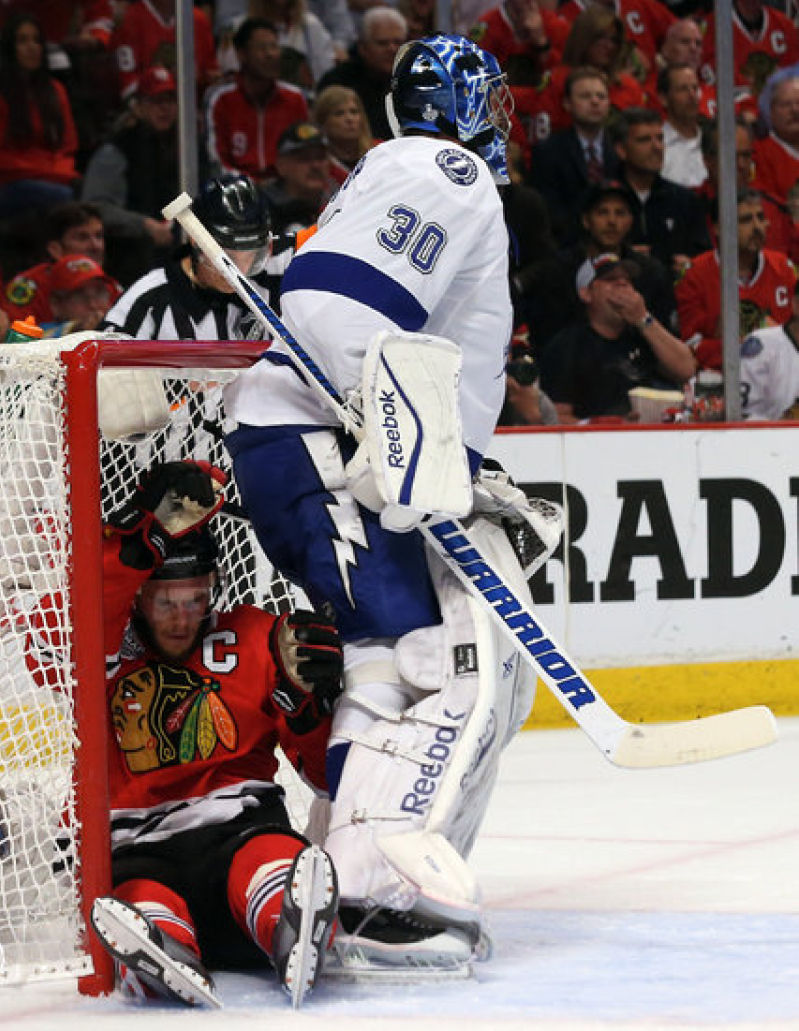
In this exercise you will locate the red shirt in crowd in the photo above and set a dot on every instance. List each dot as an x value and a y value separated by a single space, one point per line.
756 56
243 137
767 296
143 39
645 21
37 160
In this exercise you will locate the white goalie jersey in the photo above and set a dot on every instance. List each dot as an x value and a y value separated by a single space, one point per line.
423 253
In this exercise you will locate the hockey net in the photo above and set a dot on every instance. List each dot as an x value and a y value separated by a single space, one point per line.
60 476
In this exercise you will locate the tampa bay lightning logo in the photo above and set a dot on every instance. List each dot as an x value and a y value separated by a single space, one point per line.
457 166
751 347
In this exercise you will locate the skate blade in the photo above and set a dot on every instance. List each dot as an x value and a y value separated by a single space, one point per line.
125 934
350 962
314 892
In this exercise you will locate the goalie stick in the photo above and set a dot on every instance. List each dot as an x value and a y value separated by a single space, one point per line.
622 743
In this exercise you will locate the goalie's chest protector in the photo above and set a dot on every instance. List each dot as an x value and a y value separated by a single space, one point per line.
414 239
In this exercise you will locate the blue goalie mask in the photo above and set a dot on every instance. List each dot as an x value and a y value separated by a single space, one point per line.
449 86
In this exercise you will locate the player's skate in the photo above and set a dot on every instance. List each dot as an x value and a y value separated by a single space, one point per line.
391 945
162 965
310 903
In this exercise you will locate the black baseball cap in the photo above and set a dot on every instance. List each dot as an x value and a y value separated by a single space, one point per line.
301 136
606 188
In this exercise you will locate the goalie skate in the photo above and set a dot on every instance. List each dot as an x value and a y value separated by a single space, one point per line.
394 946
162 964
310 902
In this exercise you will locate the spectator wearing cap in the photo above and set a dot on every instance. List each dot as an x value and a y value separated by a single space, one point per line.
382 32
71 228
80 295
132 176
667 217
549 289
304 183
563 166
591 365
766 284
244 118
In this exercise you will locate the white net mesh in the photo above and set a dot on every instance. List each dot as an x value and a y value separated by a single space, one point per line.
40 857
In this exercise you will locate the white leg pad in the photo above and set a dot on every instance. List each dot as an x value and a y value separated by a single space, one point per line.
417 780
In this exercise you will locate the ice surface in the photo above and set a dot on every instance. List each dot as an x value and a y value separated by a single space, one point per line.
616 899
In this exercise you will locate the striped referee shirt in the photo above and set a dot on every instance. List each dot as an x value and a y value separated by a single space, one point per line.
166 305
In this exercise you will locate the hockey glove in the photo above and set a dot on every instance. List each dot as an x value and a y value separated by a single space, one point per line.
172 499
307 653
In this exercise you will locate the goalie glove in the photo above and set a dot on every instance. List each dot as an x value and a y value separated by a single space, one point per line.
172 499
307 653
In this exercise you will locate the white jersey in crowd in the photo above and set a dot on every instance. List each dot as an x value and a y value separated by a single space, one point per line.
414 239
769 374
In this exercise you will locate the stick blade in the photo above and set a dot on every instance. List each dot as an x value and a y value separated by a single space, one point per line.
713 737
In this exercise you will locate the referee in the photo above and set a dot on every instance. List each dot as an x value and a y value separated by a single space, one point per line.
187 298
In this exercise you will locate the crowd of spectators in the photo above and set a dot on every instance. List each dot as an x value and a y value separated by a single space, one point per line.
613 157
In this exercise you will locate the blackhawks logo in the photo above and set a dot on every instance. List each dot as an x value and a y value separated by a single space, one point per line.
165 716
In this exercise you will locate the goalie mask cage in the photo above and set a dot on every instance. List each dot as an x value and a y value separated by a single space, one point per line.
59 478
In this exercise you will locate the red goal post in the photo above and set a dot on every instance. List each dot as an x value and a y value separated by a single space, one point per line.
61 476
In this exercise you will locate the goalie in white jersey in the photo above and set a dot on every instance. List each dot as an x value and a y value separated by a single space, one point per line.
402 300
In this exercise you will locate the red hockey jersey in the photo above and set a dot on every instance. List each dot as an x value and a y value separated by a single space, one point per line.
756 56
765 299
242 137
143 39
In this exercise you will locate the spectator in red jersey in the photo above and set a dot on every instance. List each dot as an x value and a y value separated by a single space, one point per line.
646 22
72 228
767 281
524 36
764 39
244 118
683 45
597 40
679 92
776 156
781 233
146 36
37 132
72 23
340 115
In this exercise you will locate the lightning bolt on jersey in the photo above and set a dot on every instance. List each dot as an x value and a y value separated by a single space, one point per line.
414 239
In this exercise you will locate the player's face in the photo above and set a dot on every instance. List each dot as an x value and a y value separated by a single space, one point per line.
174 611
643 148
87 238
752 226
588 102
608 223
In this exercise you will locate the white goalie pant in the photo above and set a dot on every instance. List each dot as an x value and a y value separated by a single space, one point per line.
427 718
